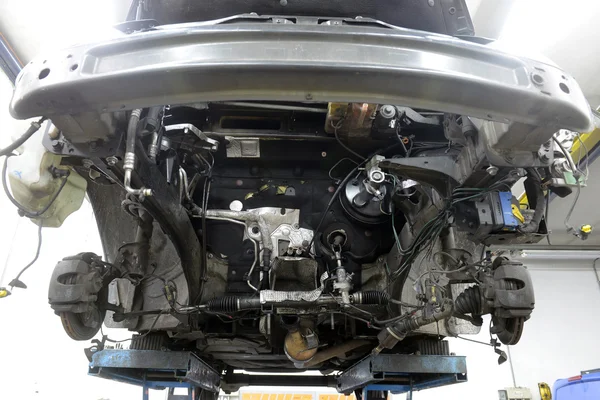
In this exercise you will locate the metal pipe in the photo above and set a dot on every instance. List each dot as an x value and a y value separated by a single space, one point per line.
129 159
256 250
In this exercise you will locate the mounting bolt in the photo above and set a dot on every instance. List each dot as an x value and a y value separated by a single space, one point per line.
209 255
87 163
111 161
57 144
492 170
544 157
296 226
387 111
323 154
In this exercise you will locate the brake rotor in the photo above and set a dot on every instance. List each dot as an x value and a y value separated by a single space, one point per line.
512 329
81 326
509 330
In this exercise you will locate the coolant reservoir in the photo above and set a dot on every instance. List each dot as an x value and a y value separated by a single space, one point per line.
33 186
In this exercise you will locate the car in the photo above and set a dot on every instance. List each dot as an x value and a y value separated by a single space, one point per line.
298 190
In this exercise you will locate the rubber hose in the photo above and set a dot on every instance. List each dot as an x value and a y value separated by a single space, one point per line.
469 301
540 204
152 118
35 126
134 119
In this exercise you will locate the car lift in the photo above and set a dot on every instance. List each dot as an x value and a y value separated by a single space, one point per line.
155 369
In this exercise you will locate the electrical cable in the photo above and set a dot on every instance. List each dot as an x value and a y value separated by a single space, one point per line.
35 126
16 282
567 155
205 194
338 163
586 155
333 198
404 304
568 217
348 149
22 210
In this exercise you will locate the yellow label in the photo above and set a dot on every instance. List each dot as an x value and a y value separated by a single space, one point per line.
517 213
336 397
277 396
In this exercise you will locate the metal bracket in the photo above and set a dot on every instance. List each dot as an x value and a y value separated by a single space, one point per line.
213 144
141 367
404 372
440 172
247 147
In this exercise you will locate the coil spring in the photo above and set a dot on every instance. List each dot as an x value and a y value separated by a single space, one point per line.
225 304
374 297
469 301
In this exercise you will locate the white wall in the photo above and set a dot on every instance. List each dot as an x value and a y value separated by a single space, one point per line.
561 338
37 359
559 341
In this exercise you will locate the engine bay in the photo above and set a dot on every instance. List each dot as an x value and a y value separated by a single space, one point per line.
308 241
300 217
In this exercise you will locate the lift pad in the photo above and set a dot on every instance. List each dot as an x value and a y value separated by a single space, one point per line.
163 368
402 373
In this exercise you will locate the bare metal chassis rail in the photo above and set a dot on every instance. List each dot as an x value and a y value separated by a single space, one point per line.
293 62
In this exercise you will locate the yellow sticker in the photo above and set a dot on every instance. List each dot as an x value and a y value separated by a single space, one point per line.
517 213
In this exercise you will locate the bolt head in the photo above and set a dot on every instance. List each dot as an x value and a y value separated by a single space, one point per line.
111 161
87 163
377 176
57 144
387 111
324 154
492 170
